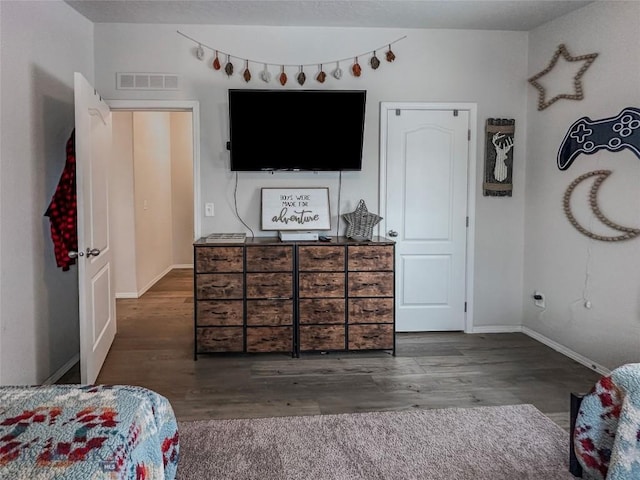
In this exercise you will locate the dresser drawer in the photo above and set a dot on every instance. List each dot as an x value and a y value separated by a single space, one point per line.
269 339
269 285
370 257
321 310
320 258
269 312
314 285
370 284
219 313
219 339
211 286
371 337
325 337
371 310
218 259
270 259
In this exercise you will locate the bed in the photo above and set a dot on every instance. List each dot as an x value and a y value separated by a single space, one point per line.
605 426
87 432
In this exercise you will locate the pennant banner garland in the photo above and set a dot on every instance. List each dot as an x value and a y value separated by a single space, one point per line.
300 76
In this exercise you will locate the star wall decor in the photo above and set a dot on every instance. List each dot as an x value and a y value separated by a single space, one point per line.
577 83
360 222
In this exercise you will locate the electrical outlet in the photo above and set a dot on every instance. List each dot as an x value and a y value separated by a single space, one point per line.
208 210
538 299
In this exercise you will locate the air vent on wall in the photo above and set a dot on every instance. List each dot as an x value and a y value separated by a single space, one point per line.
147 81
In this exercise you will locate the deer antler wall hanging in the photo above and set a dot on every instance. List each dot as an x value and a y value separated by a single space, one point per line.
498 162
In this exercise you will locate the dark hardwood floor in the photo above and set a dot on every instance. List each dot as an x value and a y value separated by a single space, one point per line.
154 349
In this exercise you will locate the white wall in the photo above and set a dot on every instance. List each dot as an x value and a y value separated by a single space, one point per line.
431 66
121 189
182 187
152 196
41 45
567 266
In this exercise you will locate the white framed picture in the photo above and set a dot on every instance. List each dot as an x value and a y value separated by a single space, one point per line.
296 209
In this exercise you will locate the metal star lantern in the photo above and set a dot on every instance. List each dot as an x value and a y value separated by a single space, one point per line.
360 222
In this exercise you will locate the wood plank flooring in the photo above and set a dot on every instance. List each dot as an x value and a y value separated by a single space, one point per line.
154 349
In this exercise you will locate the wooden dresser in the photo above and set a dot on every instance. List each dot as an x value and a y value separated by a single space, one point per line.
265 295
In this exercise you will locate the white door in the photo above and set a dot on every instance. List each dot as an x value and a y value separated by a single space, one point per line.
95 277
425 211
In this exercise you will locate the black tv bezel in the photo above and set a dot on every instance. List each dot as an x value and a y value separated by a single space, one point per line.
229 144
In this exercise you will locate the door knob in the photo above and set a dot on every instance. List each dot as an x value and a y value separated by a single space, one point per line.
74 254
93 252
392 233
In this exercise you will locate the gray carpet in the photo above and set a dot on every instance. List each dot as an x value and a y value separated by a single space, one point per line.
485 443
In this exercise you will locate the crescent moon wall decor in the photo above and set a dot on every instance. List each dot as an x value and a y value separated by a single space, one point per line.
602 175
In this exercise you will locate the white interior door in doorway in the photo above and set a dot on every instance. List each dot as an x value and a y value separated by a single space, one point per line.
95 276
425 155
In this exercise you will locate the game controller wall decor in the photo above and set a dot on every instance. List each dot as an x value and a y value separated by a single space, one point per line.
589 136
577 82
498 161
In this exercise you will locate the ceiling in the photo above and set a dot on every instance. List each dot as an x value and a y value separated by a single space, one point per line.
521 15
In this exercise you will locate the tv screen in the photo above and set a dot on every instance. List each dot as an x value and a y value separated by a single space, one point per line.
296 129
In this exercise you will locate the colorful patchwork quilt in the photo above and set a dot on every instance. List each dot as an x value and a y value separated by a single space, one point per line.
86 432
607 432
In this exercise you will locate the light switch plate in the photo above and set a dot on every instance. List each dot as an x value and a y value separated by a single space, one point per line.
208 210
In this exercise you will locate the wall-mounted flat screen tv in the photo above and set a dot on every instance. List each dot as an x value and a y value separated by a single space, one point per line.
296 129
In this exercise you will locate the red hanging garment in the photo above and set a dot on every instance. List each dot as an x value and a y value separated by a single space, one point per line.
63 211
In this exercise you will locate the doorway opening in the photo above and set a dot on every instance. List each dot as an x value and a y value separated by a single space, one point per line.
152 191
183 126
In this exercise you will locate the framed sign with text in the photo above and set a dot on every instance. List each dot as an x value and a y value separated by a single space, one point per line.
296 209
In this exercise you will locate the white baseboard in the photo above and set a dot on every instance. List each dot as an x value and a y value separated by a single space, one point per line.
544 340
127 295
155 280
497 329
152 282
566 351
58 374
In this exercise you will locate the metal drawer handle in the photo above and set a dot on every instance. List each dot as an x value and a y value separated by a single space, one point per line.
226 285
364 310
269 285
321 311
219 313
368 257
